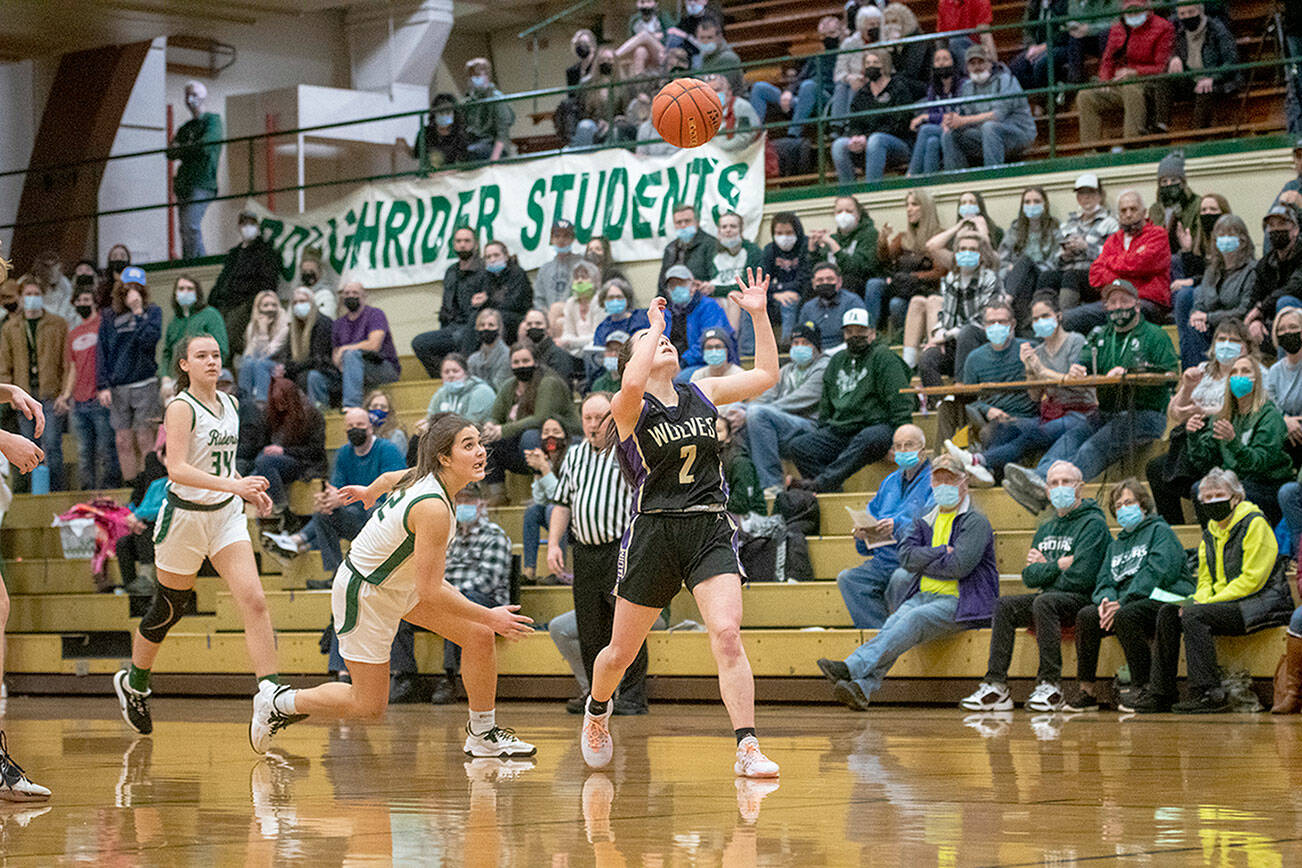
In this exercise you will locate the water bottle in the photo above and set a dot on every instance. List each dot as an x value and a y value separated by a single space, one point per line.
41 480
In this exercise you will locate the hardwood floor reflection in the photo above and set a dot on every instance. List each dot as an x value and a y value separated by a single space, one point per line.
893 787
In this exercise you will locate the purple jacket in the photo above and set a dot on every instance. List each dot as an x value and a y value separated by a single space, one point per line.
972 561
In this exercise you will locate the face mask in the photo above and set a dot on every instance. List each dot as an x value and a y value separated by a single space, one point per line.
1290 342
680 294
831 43
551 444
1122 318
479 81
1217 510
1191 24
117 265
732 245
1240 386
581 288
707 47
1132 229
11 306
967 258
444 119
455 386
487 336
1044 327
467 513
784 242
685 234
647 11
980 77
536 334
1129 516
495 267
997 333
872 73
1170 194
1033 210
858 345
33 303
846 220
825 290
1062 496
968 210
802 354
302 309
186 298
84 311
605 68
1279 239
1208 222
353 304
715 357
1227 243
524 374
308 278
906 460
1136 20
582 50
946 495
611 363
942 74
616 306
723 100
378 417
248 231
695 8
1228 351
358 437
463 255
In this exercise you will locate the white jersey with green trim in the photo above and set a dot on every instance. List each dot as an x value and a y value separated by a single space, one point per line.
382 551
213 440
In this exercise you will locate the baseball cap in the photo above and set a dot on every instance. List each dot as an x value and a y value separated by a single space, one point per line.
226 376
617 337
947 462
715 333
247 214
1120 285
1284 211
807 331
976 51
1089 180
563 225
855 316
678 272
134 274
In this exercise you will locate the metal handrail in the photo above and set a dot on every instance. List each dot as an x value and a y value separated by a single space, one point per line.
546 22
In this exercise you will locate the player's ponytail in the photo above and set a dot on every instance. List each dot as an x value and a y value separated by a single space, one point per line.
437 440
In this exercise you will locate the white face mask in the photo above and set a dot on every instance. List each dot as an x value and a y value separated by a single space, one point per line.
845 220
784 242
980 77
1136 20
248 231
302 309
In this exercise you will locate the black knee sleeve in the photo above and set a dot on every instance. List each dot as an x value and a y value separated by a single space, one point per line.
165 609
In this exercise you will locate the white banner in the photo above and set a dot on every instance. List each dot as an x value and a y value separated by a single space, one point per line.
399 233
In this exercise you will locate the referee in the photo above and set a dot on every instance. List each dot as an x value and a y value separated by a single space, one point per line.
591 490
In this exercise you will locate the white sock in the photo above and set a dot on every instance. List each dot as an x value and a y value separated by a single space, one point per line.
482 721
910 355
284 702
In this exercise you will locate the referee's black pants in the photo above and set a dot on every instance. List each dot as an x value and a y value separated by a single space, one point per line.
594 608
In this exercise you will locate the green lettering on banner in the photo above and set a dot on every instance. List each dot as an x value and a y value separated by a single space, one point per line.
291 242
440 210
490 202
336 256
702 168
727 186
416 228
366 233
669 201
583 228
641 228
611 228
394 225
533 207
462 218
561 184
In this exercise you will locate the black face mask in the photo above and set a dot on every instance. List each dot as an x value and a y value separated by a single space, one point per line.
648 12
873 35
872 73
1191 24
1122 317
83 282
353 304
463 255
581 51
524 374
942 74
84 311
116 266
1218 510
1279 239
1290 342
1208 221
536 334
357 437
831 43
825 290
308 278
857 345
487 336
605 68
1170 194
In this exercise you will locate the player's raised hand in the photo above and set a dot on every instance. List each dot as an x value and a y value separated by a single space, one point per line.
507 621
655 312
357 494
753 293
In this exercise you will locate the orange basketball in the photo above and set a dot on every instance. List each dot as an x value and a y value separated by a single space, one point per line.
686 113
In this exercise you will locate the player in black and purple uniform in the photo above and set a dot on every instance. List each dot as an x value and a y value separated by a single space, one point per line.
680 531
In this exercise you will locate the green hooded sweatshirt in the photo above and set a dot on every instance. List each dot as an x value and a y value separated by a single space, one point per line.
1141 560
1255 452
859 391
1082 534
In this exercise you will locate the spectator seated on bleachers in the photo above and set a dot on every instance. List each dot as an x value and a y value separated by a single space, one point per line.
135 550
904 257
714 54
622 314
608 379
847 75
581 313
535 329
363 346
1061 569
604 105
904 495
647 28
491 360
1284 378
786 261
465 291
911 60
740 124
97 460
378 404
1227 290
828 303
551 285
965 15
442 141
946 76
950 555
266 340
1087 36
814 83
507 287
250 267
860 409
462 392
1079 242
1027 251
1179 211
191 315
1144 566
1279 271
1129 417
692 247
307 361
951 321
1202 44
745 496
881 137
690 313
488 124
1291 192
993 129
1042 43
1288 674
1240 589
732 256
544 461
853 247
1138 45
294 447
1137 253
718 358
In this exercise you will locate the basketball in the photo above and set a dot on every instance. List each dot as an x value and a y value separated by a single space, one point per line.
686 113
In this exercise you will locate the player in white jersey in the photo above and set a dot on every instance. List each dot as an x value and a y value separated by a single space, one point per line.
394 572
203 517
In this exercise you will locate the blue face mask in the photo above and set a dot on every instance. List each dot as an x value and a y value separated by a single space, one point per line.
907 460
1228 351
186 298
479 81
802 354
1129 516
685 234
616 306
680 294
946 495
562 249
1240 385
969 210
997 333
467 513
611 363
444 119
1062 496
378 417
967 258
33 303
1033 210
455 386
495 267
715 357
1227 243
1044 327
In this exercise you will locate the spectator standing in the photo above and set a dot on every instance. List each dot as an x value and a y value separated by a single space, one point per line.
491 360
462 393
465 289
97 460
56 289
996 126
311 274
1138 254
125 373
882 137
442 141
191 315
266 339
692 247
828 304
295 447
250 267
363 346
1138 45
33 356
197 145
1202 43
309 349
551 286
488 118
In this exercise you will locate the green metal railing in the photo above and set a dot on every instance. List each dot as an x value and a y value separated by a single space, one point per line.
820 120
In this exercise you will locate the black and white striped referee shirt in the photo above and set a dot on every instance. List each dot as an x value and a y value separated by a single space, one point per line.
591 485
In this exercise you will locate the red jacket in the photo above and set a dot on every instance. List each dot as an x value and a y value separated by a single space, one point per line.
1147 264
962 14
1146 49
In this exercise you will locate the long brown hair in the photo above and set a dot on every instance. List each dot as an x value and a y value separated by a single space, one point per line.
437 440
119 297
289 416
530 393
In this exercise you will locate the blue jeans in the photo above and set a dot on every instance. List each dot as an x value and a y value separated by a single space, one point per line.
1193 343
1290 503
190 217
926 151
863 588
537 518
992 141
1012 440
920 618
763 94
324 532
255 377
97 454
1295 623
318 388
279 471
842 94
51 441
361 374
873 290
883 149
1120 434
831 457
766 429
585 134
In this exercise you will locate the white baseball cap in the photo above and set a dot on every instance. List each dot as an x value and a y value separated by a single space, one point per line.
855 316
1089 179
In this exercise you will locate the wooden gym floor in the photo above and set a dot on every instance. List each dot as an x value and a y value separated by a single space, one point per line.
895 786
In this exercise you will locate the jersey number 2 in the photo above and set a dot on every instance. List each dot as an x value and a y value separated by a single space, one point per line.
688 454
